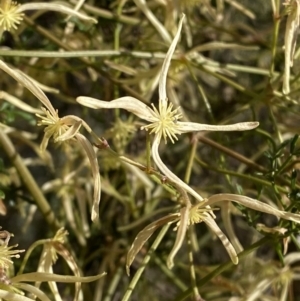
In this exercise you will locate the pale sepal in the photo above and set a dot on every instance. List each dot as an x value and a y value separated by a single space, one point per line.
70 132
127 103
168 173
181 232
210 222
144 235
55 7
96 175
162 93
253 204
186 127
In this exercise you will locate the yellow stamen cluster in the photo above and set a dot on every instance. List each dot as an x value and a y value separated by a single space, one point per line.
6 253
197 215
9 15
58 239
165 121
54 126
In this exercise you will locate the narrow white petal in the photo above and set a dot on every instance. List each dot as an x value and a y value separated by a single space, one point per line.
291 258
127 103
167 172
226 217
209 221
166 64
186 127
55 7
253 204
12 296
181 232
95 171
19 103
33 290
26 82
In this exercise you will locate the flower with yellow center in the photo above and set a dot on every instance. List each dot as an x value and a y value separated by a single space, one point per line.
61 129
6 253
198 213
11 13
10 17
164 121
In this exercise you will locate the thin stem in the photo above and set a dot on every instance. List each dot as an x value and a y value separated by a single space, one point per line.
106 14
146 260
202 93
29 181
196 293
230 152
148 151
114 283
244 176
65 46
276 16
189 167
169 273
221 268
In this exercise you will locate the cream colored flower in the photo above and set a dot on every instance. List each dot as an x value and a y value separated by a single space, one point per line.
202 212
164 121
10 17
11 13
61 129
6 253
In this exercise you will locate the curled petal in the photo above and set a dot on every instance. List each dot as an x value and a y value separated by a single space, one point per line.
127 103
291 258
209 221
71 119
167 172
186 127
70 132
225 212
253 204
55 7
166 64
95 171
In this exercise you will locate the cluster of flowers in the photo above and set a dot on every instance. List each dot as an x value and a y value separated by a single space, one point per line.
164 123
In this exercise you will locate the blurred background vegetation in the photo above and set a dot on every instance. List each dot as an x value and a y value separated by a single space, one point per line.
228 67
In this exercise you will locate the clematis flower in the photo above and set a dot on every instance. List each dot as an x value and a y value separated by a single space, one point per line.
61 129
202 212
11 13
13 288
6 253
164 121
